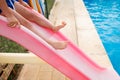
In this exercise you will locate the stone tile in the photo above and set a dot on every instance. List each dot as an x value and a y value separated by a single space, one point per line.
56 75
44 75
89 41
46 67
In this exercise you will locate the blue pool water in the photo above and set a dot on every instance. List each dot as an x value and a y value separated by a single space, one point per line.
106 17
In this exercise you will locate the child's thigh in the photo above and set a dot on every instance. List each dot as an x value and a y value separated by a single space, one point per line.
24 11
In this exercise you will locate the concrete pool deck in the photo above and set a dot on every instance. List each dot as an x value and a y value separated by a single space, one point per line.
80 30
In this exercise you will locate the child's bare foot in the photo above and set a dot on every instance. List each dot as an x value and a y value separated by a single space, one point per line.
24 4
57 28
59 44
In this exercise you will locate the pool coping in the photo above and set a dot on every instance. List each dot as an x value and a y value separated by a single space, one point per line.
86 30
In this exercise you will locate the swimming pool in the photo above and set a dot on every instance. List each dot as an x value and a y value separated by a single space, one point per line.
105 15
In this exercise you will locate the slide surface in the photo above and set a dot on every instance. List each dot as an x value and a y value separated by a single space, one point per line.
71 61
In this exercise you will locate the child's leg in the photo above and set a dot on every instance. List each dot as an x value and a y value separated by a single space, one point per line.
40 20
25 22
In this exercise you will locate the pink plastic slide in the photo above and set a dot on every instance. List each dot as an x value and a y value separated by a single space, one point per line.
71 61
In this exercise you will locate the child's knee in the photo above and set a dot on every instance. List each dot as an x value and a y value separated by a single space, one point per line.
16 4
